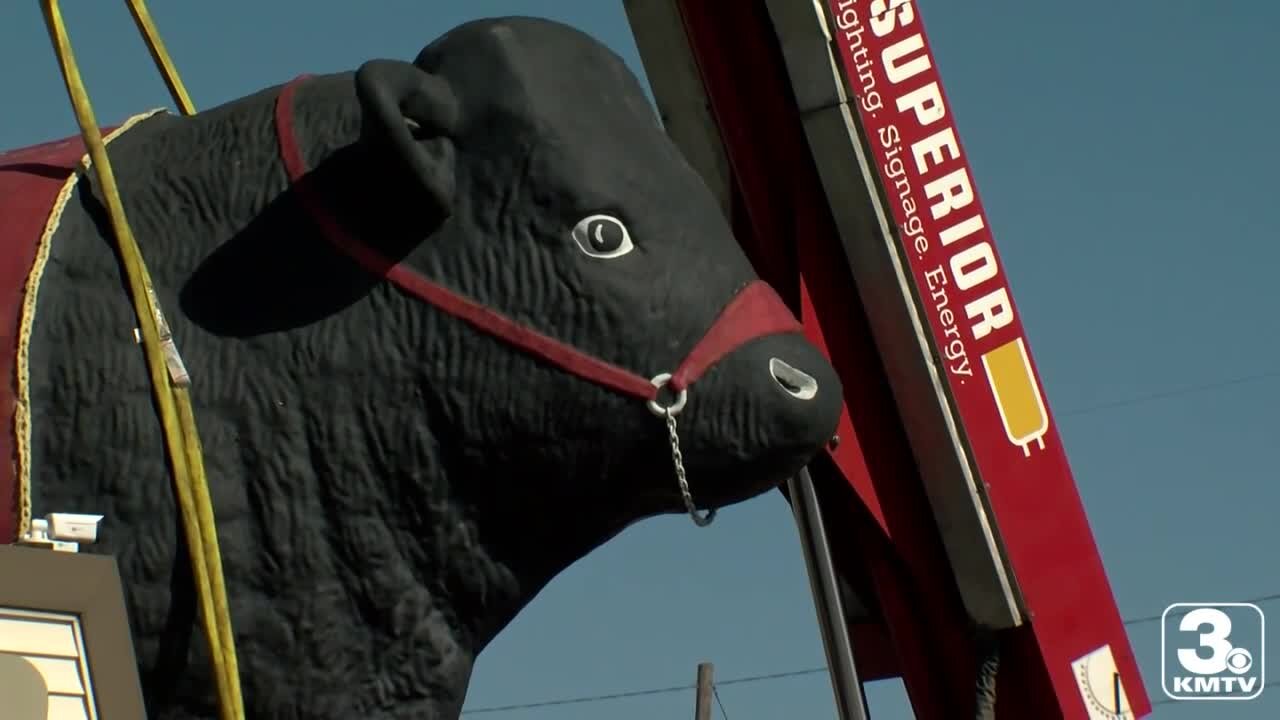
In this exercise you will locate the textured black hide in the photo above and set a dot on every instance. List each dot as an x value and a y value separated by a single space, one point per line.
391 487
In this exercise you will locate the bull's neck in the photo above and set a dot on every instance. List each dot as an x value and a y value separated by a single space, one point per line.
233 152
225 163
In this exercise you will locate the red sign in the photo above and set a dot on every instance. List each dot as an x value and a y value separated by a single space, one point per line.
979 345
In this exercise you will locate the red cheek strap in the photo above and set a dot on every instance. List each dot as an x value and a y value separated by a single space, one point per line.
756 311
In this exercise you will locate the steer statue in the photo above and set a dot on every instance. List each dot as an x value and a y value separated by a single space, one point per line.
445 322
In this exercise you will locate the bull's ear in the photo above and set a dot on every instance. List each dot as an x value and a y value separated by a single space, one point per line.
415 112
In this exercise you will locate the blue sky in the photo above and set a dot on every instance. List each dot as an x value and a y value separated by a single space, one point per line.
1122 154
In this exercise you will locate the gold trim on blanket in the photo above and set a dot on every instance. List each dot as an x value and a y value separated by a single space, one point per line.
22 406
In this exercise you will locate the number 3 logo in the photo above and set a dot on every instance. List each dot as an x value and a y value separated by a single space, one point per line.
1214 640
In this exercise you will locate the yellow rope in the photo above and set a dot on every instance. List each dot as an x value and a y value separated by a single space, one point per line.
169 381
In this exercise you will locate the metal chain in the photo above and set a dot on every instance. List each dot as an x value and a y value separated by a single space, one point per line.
678 459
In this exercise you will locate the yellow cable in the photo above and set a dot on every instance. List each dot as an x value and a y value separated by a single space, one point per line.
215 581
172 399
203 505
142 18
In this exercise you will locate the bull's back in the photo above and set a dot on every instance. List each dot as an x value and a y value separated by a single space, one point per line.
91 441
94 443
36 184
73 403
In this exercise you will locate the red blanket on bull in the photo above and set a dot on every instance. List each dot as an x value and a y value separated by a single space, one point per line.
35 184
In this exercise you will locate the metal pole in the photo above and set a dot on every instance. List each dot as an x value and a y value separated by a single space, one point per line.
826 598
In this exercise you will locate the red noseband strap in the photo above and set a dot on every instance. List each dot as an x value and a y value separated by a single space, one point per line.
756 311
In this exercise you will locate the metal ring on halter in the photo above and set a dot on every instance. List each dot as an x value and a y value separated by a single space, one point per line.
660 381
704 519
677 458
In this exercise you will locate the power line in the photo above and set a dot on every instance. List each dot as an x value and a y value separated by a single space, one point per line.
580 700
748 679
1153 618
716 691
772 676
1172 393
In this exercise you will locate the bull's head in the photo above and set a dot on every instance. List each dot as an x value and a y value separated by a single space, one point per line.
562 204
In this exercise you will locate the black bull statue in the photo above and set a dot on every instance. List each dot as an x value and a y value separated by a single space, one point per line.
394 478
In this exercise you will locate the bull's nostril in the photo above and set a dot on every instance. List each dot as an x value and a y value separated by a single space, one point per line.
797 384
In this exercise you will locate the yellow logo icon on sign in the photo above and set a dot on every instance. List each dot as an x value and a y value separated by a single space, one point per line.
1017 394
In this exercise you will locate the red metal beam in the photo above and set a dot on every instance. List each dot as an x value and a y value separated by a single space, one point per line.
889 535
783 221
1073 639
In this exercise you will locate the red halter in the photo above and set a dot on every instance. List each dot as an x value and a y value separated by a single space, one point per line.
756 311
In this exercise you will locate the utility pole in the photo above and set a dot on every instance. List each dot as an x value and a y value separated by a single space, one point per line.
702 710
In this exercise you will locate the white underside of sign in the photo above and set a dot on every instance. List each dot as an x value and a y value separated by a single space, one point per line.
1100 686
53 644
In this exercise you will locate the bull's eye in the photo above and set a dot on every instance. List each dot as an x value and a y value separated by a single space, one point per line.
602 236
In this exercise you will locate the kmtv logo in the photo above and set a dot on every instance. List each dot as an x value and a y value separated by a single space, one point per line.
1215 651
